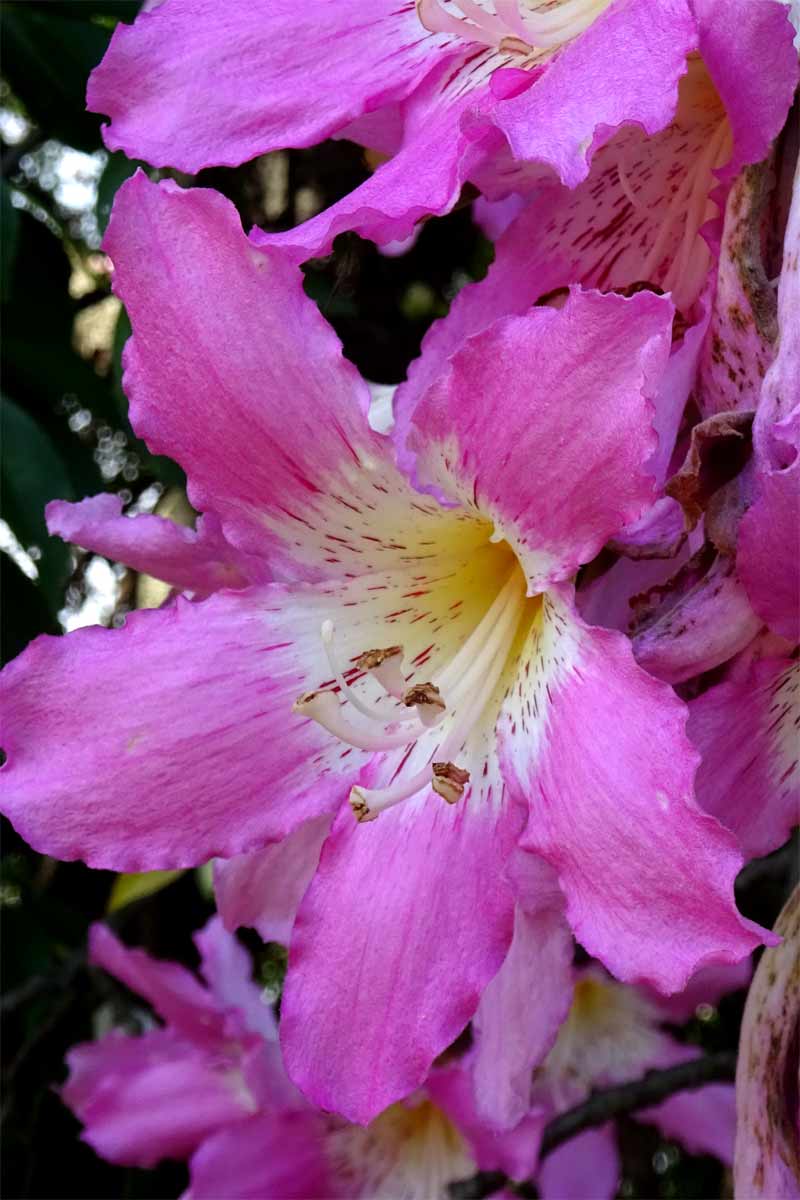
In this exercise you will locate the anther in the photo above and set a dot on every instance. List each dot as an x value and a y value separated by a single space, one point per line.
360 807
384 665
428 701
449 781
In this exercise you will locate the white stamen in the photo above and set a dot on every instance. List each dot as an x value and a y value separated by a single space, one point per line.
383 716
515 25
477 684
325 709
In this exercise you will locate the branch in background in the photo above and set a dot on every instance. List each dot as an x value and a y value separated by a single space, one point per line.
612 1102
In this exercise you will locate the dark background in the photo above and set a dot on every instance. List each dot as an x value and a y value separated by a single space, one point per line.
66 434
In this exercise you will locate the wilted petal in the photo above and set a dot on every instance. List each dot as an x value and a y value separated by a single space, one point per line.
767 1156
746 730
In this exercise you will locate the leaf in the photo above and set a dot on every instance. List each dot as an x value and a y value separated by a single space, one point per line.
32 474
137 886
47 59
9 224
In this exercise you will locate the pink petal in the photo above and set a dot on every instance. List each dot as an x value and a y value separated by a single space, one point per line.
514 1151
601 756
200 731
703 1120
757 102
522 1008
707 986
587 1167
624 68
198 560
270 89
264 414
746 731
132 1094
226 967
423 178
280 1156
394 941
175 993
484 434
263 889
766 1160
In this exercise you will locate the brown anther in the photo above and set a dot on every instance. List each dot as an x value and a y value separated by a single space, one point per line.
423 693
371 659
302 702
449 781
361 809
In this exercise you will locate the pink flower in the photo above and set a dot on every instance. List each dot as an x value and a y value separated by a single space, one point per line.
451 91
421 658
614 1034
209 1086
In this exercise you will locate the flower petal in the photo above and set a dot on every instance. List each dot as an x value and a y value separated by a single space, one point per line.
198 560
131 1094
704 1120
226 967
513 1151
601 756
200 732
280 1156
284 75
523 1006
175 993
587 1167
263 889
746 731
264 414
767 558
485 434
393 944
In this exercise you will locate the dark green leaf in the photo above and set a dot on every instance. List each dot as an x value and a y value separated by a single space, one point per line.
32 474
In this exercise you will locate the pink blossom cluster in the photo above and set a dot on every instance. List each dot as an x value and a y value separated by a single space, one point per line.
515 670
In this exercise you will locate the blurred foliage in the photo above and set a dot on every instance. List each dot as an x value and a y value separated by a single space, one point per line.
65 435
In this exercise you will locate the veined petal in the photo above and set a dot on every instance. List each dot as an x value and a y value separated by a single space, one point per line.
200 732
746 730
200 560
633 54
263 889
598 749
523 1006
284 75
131 1094
404 898
264 414
485 433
